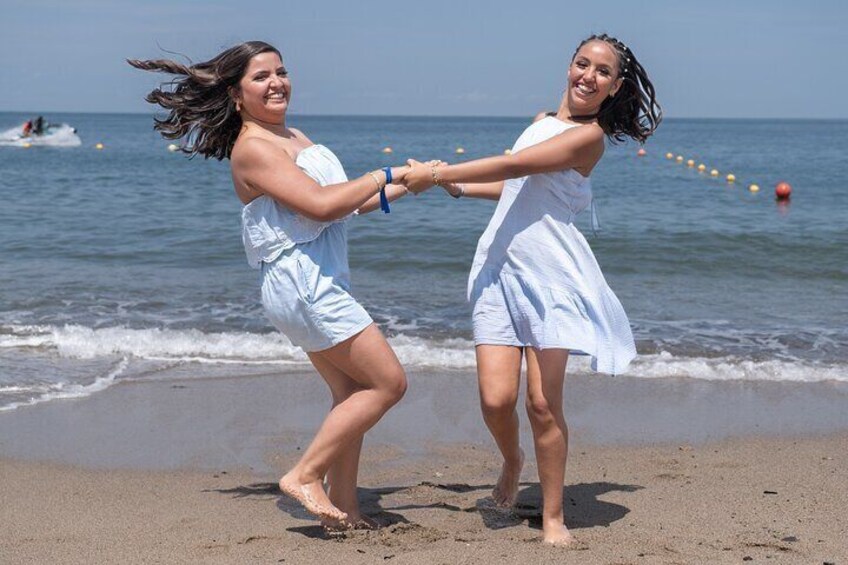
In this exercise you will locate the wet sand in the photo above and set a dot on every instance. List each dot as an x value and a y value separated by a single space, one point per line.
660 471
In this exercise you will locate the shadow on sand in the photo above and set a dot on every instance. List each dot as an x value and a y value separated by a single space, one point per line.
582 507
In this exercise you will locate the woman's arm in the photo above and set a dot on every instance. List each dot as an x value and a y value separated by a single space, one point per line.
577 147
262 167
393 192
483 190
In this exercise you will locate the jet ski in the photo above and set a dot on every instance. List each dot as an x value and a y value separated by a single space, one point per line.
51 135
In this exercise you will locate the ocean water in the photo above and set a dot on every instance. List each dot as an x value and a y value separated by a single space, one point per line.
126 262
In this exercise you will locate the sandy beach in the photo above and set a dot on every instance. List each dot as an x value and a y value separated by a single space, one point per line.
660 471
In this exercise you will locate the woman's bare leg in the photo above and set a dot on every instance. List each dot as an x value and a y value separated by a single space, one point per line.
498 377
545 380
368 361
342 475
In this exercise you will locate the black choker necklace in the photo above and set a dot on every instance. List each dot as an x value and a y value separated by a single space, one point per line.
584 118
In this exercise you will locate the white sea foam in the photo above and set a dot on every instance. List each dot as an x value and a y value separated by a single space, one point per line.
735 368
70 390
421 352
24 389
80 342
194 346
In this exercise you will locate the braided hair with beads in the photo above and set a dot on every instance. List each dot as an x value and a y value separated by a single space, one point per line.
634 111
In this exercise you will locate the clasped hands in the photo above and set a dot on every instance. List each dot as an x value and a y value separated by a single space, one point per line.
419 176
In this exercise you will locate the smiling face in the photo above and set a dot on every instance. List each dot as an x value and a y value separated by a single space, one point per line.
592 77
264 90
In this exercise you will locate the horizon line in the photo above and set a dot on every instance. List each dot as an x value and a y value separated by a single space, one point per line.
490 116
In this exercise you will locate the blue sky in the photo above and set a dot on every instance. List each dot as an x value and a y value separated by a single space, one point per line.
740 58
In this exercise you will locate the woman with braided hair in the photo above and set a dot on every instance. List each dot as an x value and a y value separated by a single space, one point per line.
536 289
297 200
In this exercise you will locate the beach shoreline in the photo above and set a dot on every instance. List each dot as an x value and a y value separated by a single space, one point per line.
185 470
251 421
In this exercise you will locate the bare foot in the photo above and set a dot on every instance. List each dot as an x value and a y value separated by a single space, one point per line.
558 535
312 497
505 492
358 522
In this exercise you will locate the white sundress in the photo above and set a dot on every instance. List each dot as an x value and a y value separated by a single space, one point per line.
534 280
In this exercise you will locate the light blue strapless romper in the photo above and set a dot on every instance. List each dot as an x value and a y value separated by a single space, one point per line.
305 275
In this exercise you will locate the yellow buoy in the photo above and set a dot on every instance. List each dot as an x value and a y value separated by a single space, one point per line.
731 178
669 155
714 173
460 150
679 159
387 150
690 163
27 145
702 167
173 147
754 188
507 151
98 146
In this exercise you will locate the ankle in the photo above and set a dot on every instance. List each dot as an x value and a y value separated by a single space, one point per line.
553 523
300 477
346 505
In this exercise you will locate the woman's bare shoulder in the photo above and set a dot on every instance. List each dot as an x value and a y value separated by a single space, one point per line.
541 116
250 149
299 135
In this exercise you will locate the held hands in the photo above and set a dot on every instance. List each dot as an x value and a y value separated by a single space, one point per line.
456 190
420 175
399 173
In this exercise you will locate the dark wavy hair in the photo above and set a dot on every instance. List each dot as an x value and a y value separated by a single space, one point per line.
633 111
200 108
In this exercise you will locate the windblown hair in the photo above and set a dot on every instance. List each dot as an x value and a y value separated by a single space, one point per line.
633 111
200 108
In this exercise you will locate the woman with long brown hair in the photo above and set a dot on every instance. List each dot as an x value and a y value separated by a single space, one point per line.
296 202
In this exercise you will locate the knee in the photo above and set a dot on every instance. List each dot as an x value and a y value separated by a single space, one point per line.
497 407
539 410
394 385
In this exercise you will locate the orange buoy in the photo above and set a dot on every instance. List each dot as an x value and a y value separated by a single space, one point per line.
669 155
783 190
690 163
641 152
701 168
